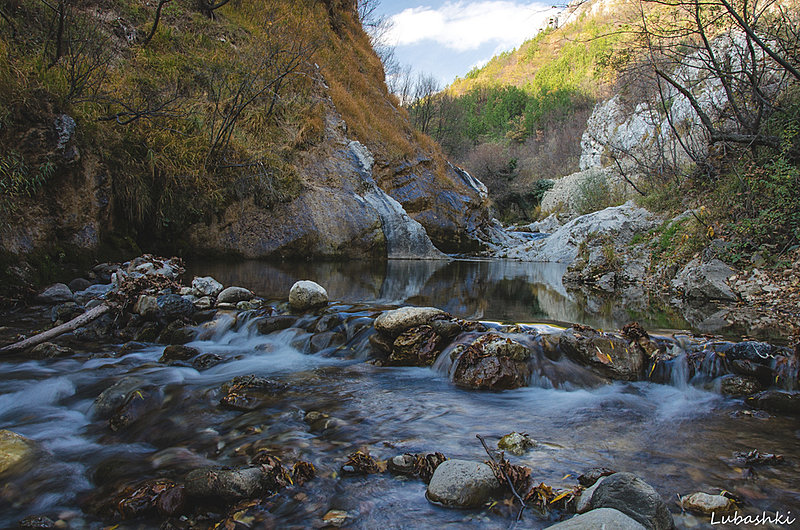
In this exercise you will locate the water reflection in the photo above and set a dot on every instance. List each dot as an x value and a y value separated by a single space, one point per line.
499 290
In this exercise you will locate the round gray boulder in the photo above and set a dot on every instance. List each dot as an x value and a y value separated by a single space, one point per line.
306 294
462 484
56 293
599 518
635 498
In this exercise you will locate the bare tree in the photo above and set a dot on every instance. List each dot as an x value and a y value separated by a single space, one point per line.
424 106
161 4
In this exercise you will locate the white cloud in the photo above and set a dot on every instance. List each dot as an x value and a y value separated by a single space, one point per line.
466 26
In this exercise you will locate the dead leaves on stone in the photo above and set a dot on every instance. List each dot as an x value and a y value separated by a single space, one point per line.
360 462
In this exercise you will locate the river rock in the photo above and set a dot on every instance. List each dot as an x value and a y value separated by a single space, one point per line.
248 392
776 401
178 352
203 303
58 292
79 284
707 504
99 290
516 443
584 503
601 518
606 354
492 362
36 521
173 306
225 484
418 346
176 333
49 350
635 498
705 281
15 449
270 324
114 396
206 361
147 306
591 476
139 404
66 311
738 385
234 295
396 321
462 483
206 286
306 294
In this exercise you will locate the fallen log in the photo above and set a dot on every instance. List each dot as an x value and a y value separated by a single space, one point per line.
77 322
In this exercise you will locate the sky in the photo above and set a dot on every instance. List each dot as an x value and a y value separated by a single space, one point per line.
447 38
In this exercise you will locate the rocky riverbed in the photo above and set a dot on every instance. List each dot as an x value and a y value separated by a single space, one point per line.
190 406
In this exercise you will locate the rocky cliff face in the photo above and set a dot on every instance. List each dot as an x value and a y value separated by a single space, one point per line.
362 194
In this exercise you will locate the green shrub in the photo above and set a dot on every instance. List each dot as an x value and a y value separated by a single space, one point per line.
596 193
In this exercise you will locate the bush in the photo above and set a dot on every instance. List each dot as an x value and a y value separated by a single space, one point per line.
596 193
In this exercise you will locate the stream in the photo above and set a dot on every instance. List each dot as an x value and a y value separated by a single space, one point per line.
679 437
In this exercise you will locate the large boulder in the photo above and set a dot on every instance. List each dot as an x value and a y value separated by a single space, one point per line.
620 223
306 294
776 401
491 362
705 281
605 353
15 449
396 321
601 518
462 484
635 498
55 294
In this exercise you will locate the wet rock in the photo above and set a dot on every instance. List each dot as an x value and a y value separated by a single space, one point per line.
327 339
707 504
606 354
705 281
56 293
233 295
335 518
606 518
761 373
48 350
584 503
138 404
15 450
66 311
150 497
206 286
130 347
756 458
203 303
492 362
306 294
173 306
199 317
79 284
249 305
248 392
381 343
418 346
147 306
737 385
114 396
225 484
97 291
776 401
447 329
396 321
516 443
461 483
270 324
206 361
591 476
36 521
635 498
401 464
176 333
319 421
178 352
149 332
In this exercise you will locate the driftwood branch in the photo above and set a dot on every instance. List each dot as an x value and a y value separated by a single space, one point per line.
522 505
77 322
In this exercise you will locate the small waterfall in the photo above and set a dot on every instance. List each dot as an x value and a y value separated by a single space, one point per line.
405 237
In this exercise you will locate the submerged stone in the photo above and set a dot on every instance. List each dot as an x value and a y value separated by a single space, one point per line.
15 449
707 504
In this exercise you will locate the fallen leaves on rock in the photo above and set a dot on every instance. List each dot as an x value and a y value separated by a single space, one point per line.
360 462
756 458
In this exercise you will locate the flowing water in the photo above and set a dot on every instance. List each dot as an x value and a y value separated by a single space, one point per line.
679 437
